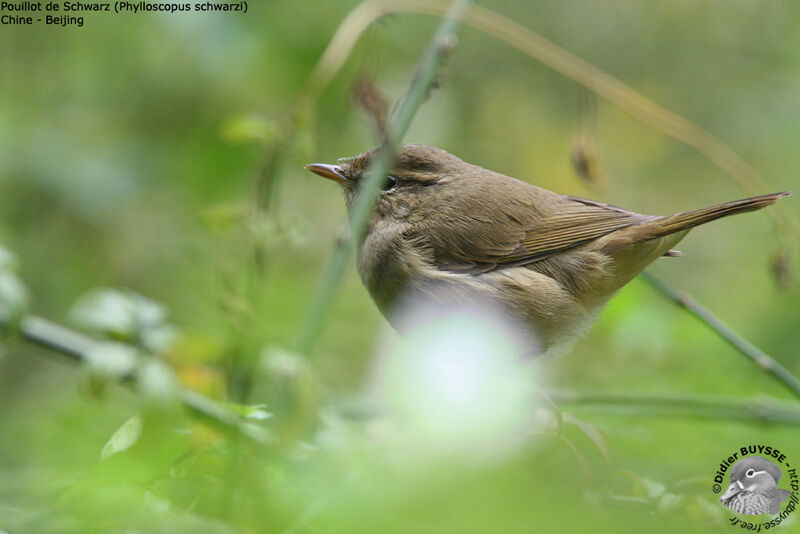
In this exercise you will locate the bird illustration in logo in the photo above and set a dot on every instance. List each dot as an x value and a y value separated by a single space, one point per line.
754 487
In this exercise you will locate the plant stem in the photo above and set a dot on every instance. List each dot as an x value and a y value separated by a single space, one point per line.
409 103
76 346
668 404
747 349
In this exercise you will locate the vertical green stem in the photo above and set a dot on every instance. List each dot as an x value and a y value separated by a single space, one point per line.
412 99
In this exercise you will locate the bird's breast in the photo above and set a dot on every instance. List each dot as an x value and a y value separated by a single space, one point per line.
385 262
749 503
398 270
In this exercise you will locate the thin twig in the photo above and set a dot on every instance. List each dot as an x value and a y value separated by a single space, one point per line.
566 64
76 346
744 347
409 103
675 405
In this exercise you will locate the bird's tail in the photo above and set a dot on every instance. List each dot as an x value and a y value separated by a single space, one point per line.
689 219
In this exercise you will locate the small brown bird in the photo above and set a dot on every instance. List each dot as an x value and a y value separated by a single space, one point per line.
754 487
446 230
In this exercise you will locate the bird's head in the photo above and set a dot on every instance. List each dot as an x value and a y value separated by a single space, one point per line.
754 474
417 173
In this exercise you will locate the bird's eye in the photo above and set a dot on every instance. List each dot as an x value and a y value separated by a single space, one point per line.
390 182
750 472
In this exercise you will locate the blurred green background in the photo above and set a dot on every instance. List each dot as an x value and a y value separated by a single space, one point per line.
131 152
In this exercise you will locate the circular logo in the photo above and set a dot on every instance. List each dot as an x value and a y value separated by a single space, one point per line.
753 486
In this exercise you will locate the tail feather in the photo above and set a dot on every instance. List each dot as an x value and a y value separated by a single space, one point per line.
689 219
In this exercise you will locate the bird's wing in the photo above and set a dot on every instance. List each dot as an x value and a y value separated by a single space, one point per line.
494 234
576 222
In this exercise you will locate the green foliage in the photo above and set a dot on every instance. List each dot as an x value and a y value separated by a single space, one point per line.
165 154
13 295
124 438
125 316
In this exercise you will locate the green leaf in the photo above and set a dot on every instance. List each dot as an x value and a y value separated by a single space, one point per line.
250 128
126 316
8 261
256 412
156 382
111 360
650 488
594 434
225 216
280 363
274 230
669 502
124 438
107 311
13 295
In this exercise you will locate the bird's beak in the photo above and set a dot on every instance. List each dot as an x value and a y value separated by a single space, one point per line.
331 172
732 490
